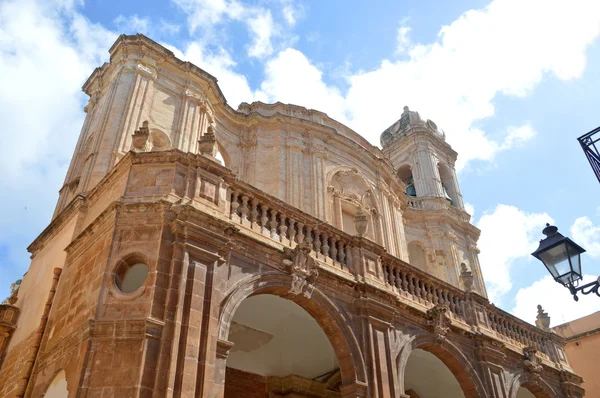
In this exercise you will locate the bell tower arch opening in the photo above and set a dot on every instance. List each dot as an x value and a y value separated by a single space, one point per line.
449 186
279 348
406 176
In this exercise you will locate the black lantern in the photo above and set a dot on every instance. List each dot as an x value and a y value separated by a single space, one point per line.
561 256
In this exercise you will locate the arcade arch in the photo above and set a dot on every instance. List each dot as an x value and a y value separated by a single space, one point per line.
316 315
58 386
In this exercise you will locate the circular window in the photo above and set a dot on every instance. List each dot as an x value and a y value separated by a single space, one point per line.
131 276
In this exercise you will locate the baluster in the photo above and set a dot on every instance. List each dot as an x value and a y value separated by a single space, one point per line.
349 259
254 212
234 203
325 247
292 231
411 284
245 208
308 237
341 253
282 227
386 274
333 252
423 289
430 293
273 224
452 303
300 233
317 241
417 288
391 274
264 219
398 279
405 281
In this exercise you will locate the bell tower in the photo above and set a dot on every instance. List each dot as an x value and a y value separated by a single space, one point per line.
419 152
440 237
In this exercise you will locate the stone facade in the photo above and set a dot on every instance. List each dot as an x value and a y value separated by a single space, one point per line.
276 217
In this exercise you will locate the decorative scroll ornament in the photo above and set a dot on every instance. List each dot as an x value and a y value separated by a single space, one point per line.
303 269
531 362
439 320
14 293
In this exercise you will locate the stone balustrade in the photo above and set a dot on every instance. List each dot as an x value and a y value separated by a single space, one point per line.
253 209
276 220
354 258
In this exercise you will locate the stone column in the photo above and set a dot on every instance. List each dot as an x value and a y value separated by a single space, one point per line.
490 356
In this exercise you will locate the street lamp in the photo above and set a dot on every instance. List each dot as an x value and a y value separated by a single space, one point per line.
561 256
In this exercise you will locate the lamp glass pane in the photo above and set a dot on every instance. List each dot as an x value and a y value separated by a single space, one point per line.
574 254
556 260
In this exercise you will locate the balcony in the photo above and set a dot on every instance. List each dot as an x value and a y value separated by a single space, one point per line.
589 143
200 185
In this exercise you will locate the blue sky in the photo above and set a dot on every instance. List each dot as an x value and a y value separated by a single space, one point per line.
512 82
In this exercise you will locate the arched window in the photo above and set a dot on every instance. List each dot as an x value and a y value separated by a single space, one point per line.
448 184
58 386
406 176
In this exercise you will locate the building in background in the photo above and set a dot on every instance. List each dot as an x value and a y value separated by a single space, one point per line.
582 347
198 250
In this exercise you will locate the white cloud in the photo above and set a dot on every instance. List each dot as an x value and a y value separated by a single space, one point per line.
291 78
517 136
47 51
235 86
587 235
402 40
262 28
169 28
508 234
556 300
205 15
505 48
132 24
292 12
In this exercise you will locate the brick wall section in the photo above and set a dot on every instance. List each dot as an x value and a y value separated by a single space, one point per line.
242 384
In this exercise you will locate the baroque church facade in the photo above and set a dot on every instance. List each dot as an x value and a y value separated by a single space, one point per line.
268 251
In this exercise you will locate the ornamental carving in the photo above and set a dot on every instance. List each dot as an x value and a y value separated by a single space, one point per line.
14 292
531 362
303 268
439 320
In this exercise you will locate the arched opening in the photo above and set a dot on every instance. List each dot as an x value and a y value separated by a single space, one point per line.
279 350
524 393
222 156
433 357
406 176
416 255
448 184
58 386
427 376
